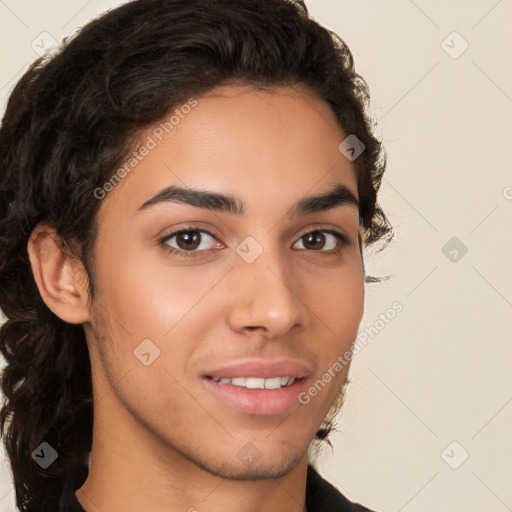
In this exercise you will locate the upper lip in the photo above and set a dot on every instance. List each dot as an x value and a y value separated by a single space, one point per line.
262 368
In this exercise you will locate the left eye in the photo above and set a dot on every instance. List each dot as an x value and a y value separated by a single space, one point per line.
316 238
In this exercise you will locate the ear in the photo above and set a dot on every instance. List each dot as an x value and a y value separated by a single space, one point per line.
62 281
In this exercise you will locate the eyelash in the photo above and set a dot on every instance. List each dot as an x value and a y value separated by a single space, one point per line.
342 239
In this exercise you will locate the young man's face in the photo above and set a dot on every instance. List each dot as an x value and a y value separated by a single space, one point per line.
254 298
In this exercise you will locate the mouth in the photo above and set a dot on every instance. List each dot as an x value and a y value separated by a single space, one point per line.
258 388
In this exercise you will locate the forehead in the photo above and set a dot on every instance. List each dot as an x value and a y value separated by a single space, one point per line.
242 141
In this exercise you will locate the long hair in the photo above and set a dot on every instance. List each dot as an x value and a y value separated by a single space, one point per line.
69 123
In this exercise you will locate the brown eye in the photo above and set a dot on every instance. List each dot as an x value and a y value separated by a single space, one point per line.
322 241
314 240
189 240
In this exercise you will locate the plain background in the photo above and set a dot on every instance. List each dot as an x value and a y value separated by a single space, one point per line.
433 385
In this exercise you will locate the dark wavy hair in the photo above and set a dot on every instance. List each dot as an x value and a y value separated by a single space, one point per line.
69 123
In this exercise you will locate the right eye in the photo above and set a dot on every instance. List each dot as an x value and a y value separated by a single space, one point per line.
188 240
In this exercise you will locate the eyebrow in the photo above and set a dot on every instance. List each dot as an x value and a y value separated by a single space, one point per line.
340 195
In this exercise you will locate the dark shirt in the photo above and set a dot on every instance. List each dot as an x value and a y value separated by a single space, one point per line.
321 496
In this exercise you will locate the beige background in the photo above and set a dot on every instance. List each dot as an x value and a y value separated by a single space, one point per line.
438 372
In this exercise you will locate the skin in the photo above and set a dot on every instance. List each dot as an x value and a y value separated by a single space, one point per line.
161 441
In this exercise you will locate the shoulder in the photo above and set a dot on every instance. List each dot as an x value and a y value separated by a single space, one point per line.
322 496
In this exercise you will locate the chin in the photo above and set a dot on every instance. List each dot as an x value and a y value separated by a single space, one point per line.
254 467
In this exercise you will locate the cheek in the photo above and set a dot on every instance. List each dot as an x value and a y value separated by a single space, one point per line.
148 297
165 304
339 310
338 302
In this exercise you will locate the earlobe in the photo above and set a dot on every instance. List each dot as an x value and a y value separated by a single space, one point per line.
58 276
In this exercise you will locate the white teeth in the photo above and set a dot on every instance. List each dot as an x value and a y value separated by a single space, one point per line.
258 382
274 383
254 383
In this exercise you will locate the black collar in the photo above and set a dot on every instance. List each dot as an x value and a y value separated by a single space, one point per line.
321 496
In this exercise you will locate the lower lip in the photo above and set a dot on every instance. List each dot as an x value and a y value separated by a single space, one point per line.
258 402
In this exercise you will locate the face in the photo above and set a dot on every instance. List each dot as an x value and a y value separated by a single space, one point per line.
212 338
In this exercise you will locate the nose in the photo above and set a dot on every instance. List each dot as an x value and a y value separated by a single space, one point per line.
266 297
